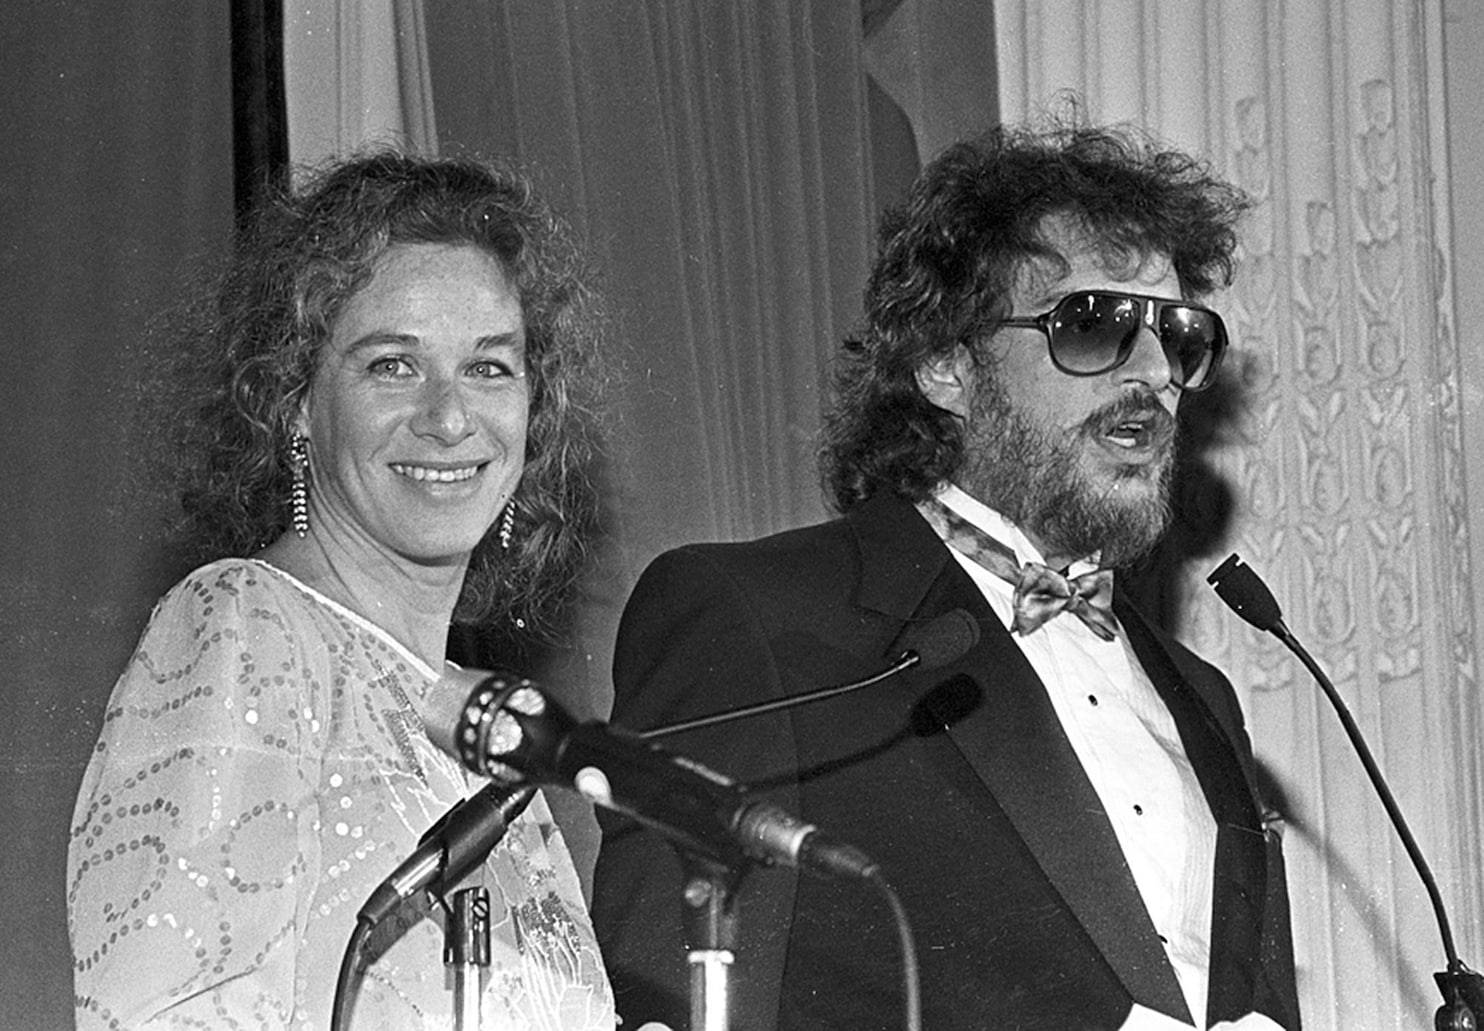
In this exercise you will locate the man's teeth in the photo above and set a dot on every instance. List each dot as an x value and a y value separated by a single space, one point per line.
422 472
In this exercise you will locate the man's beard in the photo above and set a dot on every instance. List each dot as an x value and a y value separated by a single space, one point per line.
1032 476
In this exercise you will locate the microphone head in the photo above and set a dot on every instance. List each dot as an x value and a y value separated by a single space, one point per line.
942 640
498 724
444 706
1246 594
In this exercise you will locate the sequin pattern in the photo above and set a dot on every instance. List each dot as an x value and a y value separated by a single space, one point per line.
261 768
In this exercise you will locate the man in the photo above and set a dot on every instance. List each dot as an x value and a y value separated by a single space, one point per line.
1068 811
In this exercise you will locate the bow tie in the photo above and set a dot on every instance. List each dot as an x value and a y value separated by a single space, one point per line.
1040 591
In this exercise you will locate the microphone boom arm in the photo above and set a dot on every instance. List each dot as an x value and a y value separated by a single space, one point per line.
906 662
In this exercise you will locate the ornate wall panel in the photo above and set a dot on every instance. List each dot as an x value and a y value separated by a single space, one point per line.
1339 433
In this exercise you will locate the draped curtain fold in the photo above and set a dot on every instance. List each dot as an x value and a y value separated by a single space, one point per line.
356 73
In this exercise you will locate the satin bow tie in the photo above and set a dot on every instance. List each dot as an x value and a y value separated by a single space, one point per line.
1040 591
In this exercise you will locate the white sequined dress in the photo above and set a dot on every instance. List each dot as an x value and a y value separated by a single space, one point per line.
262 767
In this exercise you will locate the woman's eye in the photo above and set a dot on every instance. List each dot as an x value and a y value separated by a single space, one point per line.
491 370
389 366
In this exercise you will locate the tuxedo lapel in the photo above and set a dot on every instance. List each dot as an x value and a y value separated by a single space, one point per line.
1015 744
1239 885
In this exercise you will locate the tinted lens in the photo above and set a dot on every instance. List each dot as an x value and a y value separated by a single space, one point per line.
1089 330
1193 340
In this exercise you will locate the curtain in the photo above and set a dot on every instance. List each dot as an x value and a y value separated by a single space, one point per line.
1335 454
356 74
116 185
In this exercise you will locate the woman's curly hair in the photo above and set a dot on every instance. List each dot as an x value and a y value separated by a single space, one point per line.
247 354
947 260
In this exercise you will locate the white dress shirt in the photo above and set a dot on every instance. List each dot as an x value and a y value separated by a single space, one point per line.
1129 747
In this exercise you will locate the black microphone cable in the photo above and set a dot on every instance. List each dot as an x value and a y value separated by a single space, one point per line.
345 978
911 979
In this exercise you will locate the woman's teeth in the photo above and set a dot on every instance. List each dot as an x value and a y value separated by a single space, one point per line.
421 472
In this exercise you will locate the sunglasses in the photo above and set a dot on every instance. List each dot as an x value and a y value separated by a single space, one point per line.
1093 331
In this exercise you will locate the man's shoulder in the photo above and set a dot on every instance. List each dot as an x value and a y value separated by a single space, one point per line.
806 560
825 548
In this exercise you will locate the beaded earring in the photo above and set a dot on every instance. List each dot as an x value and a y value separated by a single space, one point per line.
507 524
299 487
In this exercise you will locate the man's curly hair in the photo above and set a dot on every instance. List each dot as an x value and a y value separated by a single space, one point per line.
247 355
947 260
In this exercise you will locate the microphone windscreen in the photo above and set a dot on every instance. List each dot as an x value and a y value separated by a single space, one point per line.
942 640
1243 590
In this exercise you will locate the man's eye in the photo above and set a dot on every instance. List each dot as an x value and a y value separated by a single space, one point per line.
1089 321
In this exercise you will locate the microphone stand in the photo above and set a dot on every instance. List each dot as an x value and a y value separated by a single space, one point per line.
466 949
1462 988
456 844
711 927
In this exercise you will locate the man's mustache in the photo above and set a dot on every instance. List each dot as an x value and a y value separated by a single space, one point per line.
1140 407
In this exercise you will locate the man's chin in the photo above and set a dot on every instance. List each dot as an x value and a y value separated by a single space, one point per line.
1121 512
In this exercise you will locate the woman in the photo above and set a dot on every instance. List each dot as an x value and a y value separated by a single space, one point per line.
390 433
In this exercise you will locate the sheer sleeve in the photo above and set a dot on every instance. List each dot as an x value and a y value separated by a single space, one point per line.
193 844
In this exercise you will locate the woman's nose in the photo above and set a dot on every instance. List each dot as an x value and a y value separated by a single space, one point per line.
445 413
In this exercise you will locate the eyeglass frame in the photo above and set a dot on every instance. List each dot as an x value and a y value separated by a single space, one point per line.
1153 308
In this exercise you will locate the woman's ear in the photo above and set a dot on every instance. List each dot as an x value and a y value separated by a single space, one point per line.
301 413
948 381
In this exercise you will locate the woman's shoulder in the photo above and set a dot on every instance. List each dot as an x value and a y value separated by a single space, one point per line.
240 586
225 578
239 600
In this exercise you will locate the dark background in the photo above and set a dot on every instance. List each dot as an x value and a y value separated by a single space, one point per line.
117 179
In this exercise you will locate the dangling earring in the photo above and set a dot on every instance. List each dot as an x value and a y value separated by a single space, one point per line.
507 524
299 489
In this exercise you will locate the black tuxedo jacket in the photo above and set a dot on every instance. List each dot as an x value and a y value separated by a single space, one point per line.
959 781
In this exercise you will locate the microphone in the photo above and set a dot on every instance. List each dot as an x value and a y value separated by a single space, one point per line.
1243 590
1246 594
503 726
941 640
450 848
